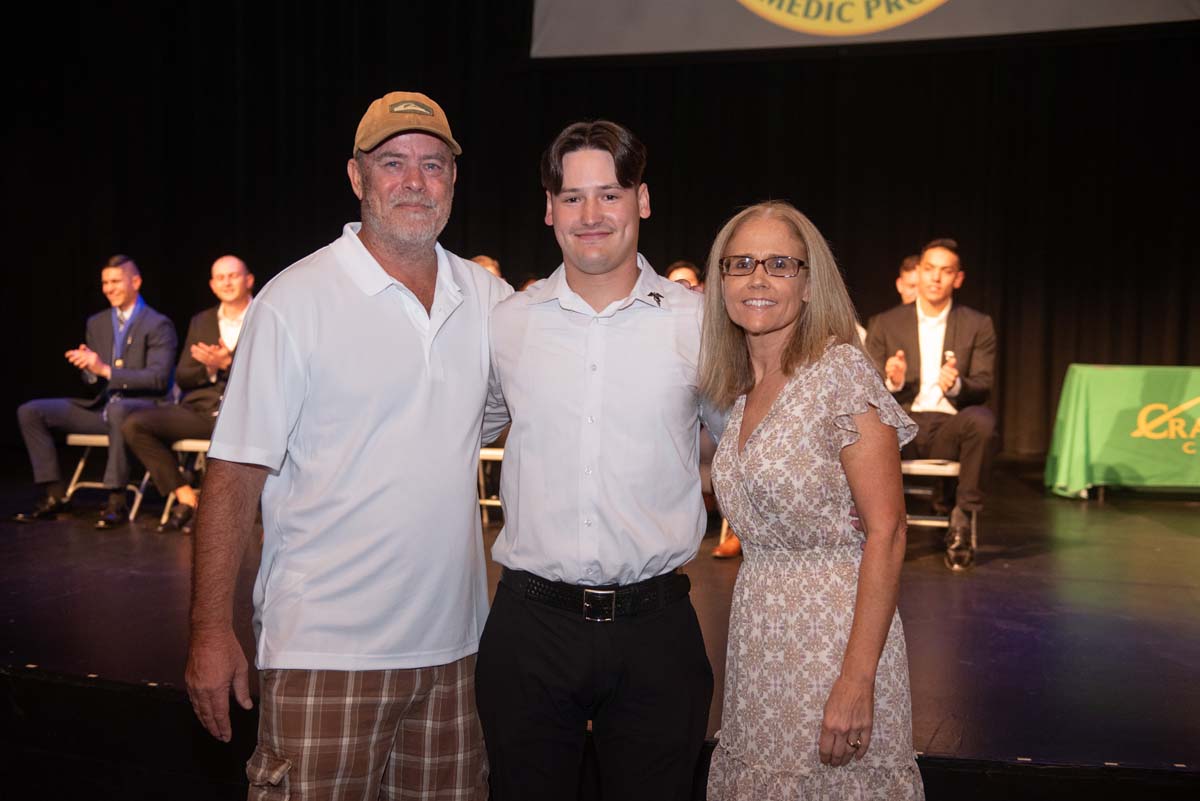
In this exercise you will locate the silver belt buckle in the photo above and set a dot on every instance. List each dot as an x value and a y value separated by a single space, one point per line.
599 606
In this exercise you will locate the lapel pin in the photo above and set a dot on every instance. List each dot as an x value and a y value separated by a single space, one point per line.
657 298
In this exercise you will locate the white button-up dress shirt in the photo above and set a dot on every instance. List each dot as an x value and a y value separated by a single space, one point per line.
230 325
367 410
600 483
931 334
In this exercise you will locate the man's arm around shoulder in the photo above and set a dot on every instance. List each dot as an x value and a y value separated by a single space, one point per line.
216 664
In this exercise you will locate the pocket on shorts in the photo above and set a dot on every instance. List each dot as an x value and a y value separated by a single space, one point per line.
268 775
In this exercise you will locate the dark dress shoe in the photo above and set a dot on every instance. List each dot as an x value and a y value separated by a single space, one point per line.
959 553
113 517
46 509
960 560
180 519
957 538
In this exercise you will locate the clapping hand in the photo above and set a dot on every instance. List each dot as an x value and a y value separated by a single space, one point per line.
85 358
214 357
948 374
895 369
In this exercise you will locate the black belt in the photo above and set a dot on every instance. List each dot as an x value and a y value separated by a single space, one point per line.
600 604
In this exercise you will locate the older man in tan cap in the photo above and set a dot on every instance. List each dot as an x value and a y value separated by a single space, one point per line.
354 411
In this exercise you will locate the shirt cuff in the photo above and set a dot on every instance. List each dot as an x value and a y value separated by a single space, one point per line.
954 390
887 382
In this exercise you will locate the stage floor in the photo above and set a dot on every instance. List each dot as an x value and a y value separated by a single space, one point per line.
1075 640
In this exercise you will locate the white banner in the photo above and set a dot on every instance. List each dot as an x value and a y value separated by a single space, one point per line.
563 28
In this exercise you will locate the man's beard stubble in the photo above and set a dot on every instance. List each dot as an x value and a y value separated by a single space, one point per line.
408 235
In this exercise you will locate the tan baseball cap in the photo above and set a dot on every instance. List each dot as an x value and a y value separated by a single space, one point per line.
397 112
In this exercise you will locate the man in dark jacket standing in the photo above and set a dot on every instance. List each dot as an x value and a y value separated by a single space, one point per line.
128 355
201 374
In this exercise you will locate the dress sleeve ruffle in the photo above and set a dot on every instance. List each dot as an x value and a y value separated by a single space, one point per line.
859 387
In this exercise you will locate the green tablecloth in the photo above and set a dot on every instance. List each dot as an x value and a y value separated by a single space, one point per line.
1126 426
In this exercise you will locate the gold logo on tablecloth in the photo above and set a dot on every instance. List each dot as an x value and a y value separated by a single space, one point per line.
1160 421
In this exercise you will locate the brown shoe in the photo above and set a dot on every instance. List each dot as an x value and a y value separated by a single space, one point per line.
730 548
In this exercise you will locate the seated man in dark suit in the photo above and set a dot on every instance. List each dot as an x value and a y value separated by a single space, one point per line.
945 386
128 356
201 374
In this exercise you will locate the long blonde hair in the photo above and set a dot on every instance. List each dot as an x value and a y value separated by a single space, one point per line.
828 317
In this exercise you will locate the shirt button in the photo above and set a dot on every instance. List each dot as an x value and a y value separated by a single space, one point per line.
588 522
587 471
594 368
591 419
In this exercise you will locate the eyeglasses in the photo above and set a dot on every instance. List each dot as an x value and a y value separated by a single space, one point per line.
775 266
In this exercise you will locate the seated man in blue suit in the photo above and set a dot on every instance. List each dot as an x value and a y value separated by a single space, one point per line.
128 357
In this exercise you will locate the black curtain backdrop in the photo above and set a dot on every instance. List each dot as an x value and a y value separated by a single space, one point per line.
1065 164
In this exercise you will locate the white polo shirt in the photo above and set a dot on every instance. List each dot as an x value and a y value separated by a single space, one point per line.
601 482
368 413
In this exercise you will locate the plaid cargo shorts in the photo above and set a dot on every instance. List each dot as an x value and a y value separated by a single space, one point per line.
374 734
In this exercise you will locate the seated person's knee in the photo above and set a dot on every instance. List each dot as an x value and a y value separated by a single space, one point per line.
131 426
118 413
980 420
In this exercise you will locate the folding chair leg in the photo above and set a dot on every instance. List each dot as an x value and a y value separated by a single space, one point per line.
139 492
74 485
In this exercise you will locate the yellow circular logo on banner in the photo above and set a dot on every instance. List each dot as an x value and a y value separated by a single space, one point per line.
841 17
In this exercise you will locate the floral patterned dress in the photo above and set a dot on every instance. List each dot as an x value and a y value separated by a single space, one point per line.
787 498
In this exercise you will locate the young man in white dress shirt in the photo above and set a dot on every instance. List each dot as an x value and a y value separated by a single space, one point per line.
591 620
354 410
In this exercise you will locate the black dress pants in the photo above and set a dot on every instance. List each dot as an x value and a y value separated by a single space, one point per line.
644 681
967 438
150 432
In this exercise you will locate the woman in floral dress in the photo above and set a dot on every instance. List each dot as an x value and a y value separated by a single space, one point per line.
816 680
